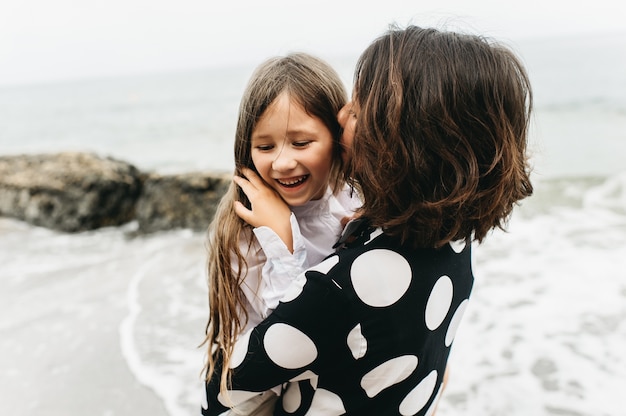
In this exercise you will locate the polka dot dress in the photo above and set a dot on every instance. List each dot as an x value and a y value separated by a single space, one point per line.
367 331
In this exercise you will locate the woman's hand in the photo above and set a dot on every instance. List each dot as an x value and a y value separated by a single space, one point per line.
268 208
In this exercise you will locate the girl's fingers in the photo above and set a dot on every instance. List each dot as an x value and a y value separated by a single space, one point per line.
253 178
242 212
245 185
255 185
248 172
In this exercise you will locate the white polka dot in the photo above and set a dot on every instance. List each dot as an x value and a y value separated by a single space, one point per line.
380 277
326 403
418 397
357 342
288 347
438 303
240 350
458 245
307 375
234 397
325 266
294 289
455 322
388 374
374 234
292 398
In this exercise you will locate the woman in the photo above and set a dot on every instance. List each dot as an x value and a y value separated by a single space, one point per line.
436 141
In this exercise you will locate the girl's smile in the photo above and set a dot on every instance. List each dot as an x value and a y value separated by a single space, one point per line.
292 183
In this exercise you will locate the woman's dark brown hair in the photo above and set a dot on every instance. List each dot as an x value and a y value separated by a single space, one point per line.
439 151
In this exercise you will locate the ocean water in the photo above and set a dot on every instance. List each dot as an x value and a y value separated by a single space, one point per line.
109 323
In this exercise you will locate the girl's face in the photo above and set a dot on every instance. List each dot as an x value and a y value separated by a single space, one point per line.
292 151
347 120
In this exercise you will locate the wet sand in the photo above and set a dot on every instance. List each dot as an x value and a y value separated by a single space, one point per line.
60 342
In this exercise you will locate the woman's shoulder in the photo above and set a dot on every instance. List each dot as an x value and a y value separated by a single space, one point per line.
375 259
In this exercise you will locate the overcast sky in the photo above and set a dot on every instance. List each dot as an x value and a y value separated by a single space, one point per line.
47 40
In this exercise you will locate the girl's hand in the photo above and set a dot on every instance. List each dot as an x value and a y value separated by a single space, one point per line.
268 208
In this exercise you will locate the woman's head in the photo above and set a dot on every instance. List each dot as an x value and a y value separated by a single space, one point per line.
440 133
287 122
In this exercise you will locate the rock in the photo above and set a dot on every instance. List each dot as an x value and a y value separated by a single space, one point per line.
68 191
81 191
180 201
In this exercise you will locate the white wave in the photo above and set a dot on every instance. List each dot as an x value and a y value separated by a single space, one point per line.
543 334
545 330
160 335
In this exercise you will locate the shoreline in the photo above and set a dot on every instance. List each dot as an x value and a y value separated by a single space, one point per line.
59 335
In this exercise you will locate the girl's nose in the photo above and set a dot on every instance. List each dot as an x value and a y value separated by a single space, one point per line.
284 161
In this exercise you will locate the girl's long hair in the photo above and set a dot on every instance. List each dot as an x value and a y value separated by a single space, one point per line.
317 87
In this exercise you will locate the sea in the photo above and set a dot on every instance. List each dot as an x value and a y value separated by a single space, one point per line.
109 322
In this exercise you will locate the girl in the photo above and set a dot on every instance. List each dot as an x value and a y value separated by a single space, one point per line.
289 134
438 132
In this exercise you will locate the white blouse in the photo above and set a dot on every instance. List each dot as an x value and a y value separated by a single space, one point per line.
315 227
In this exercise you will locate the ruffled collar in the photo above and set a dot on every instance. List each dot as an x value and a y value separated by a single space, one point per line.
313 207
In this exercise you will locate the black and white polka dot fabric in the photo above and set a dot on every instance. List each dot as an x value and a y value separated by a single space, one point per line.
366 332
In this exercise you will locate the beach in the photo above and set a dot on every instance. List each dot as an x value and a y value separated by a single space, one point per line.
109 321
73 330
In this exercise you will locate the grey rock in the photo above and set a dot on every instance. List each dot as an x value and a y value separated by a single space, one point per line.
68 191
81 191
180 201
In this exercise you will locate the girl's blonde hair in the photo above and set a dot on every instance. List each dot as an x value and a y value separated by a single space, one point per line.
318 89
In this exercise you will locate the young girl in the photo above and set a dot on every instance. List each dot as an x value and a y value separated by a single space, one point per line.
438 131
289 134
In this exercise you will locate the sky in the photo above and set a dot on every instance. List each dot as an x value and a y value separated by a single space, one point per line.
44 40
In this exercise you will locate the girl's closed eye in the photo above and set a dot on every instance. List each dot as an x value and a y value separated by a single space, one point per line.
264 147
301 143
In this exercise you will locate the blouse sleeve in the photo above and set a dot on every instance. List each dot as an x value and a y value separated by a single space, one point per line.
271 267
292 343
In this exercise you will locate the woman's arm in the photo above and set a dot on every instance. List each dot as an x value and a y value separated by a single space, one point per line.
293 341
